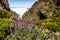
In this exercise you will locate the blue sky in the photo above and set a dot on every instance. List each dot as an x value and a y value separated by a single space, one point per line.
20 6
21 3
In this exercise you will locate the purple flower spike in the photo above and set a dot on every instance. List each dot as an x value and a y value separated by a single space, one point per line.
11 30
32 30
40 24
43 38
34 23
27 29
26 22
16 25
37 34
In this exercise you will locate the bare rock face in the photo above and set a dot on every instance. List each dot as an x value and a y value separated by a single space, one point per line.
42 9
4 4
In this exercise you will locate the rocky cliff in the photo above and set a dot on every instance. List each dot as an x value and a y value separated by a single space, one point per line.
45 12
42 9
5 5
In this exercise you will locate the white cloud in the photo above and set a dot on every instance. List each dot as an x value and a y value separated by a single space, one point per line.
20 11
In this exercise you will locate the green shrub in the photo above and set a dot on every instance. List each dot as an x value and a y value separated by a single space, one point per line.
5 24
4 14
52 25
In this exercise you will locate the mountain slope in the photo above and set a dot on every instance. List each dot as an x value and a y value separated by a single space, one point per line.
5 5
46 12
42 9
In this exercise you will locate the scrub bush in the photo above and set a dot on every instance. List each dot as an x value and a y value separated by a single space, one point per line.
5 25
5 14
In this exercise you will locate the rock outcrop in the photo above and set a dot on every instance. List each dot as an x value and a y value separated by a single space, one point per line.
42 9
5 5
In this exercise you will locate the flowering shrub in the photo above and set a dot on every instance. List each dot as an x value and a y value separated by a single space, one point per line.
5 24
24 30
